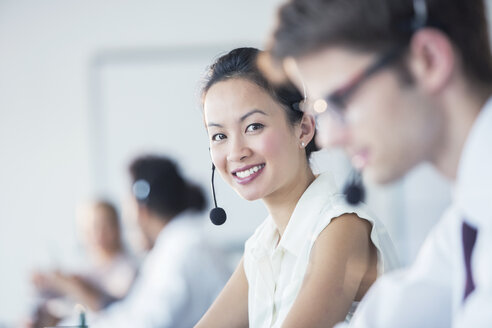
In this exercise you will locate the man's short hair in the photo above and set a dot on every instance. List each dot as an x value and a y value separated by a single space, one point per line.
306 26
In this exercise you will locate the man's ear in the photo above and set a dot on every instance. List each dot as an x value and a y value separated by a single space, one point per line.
432 59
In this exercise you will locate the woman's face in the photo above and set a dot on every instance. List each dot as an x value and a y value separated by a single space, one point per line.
253 146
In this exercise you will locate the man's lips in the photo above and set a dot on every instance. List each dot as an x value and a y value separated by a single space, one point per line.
360 159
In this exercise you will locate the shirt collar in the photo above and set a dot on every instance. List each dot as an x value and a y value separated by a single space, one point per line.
305 215
474 177
266 240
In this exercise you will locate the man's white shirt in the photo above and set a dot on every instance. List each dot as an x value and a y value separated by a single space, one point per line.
431 292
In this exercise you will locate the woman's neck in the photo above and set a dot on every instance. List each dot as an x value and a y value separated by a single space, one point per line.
282 203
154 228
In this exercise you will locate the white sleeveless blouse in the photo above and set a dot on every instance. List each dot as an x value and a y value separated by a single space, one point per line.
275 272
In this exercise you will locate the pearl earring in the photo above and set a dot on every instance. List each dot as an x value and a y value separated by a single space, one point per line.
303 144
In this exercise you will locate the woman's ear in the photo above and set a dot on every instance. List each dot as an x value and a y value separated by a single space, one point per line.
307 129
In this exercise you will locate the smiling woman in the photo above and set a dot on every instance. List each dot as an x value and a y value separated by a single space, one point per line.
314 256
257 135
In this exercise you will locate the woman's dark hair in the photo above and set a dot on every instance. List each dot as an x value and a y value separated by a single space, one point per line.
158 185
242 63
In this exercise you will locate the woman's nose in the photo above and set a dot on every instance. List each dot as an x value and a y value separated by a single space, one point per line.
238 150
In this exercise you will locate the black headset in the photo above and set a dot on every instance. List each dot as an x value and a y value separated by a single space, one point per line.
354 190
217 214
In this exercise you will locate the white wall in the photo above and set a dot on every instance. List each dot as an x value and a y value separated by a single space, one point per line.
85 85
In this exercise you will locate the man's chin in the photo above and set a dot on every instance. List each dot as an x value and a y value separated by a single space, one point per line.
382 176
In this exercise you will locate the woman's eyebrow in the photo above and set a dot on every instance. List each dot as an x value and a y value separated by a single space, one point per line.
241 119
214 124
245 116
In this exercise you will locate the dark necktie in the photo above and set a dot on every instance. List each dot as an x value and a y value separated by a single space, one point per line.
469 237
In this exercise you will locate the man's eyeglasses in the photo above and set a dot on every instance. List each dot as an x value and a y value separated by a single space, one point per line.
336 102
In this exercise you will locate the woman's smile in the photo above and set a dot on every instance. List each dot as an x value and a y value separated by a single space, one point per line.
248 173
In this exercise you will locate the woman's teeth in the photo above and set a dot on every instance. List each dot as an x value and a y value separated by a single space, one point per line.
247 173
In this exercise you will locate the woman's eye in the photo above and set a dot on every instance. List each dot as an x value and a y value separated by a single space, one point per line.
218 137
253 127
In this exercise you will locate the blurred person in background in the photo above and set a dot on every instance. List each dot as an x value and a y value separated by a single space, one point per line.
182 274
106 276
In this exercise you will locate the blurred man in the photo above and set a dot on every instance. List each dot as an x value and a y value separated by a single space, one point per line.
398 83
